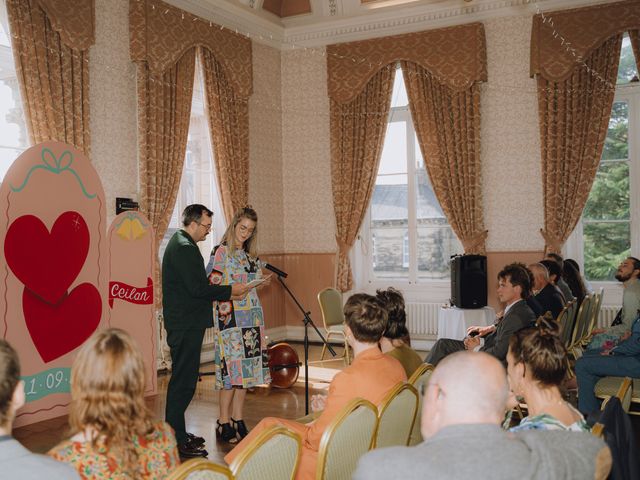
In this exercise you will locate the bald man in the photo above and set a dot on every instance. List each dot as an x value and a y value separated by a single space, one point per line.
546 293
464 404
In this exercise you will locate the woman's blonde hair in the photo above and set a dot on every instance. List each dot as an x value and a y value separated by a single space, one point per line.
107 395
229 238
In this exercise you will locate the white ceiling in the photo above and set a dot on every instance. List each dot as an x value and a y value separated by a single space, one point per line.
333 21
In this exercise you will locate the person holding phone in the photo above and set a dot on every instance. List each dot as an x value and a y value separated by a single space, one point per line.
240 352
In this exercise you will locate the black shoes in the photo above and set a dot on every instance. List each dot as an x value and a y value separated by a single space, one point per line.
226 432
240 427
189 450
194 439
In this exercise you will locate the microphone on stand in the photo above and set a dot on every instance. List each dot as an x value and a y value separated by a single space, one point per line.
275 270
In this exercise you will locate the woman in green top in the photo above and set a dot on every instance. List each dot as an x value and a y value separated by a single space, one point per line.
537 365
395 341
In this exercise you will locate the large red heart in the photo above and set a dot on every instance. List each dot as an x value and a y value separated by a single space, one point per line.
47 263
58 329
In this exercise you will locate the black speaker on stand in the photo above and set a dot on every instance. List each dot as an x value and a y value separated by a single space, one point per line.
469 281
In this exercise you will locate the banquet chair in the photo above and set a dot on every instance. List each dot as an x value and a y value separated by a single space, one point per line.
396 416
272 455
349 436
330 301
610 386
419 381
200 469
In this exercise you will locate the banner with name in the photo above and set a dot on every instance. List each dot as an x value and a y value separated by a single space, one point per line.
131 294
131 305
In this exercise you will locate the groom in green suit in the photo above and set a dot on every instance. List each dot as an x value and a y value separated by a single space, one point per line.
187 311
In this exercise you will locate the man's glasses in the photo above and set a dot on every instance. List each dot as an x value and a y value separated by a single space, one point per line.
207 226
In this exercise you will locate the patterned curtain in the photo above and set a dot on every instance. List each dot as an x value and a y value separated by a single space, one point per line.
447 124
164 111
228 114
634 35
50 43
357 136
574 115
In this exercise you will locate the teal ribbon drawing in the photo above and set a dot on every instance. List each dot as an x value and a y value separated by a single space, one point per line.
48 382
57 166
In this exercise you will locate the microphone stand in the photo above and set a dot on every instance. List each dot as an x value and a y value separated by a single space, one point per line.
307 321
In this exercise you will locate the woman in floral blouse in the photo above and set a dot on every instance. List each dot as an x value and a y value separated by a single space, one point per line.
114 434
240 351
537 366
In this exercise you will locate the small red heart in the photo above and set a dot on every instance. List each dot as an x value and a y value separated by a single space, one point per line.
47 263
58 329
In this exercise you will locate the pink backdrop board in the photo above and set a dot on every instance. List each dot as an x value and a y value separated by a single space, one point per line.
131 273
53 280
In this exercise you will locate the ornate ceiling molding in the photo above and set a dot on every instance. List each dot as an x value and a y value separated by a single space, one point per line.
311 31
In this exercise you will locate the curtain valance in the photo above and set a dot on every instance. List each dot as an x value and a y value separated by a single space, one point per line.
160 34
455 55
563 39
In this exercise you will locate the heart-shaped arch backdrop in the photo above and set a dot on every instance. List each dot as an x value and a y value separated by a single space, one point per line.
62 276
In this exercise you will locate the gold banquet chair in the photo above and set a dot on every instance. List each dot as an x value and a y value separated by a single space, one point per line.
610 386
330 301
273 455
419 380
200 469
396 416
348 437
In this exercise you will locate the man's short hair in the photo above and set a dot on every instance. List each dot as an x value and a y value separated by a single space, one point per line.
193 213
557 258
366 316
553 267
9 378
636 263
517 276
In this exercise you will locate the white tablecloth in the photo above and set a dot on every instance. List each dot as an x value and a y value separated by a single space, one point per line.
453 321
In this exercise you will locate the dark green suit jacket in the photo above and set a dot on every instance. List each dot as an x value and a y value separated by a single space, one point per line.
186 293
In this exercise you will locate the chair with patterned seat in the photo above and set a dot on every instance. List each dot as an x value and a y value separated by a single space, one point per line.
330 301
349 436
419 381
200 469
396 417
272 455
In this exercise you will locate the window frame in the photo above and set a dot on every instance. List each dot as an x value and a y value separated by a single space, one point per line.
574 248
415 288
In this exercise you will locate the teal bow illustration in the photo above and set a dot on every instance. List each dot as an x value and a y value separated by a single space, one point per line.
57 166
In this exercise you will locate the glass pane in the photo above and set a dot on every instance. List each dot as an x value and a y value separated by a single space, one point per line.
616 144
609 197
399 97
605 246
627 69
436 244
7 157
419 158
387 245
394 152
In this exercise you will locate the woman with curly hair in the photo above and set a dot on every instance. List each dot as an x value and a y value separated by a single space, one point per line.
114 434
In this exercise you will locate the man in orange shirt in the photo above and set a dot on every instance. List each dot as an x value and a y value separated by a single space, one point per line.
371 376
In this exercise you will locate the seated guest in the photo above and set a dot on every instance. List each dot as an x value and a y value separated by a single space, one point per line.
587 286
513 283
548 295
371 375
114 434
537 366
571 275
629 274
18 462
622 360
555 271
558 280
463 407
529 297
395 340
